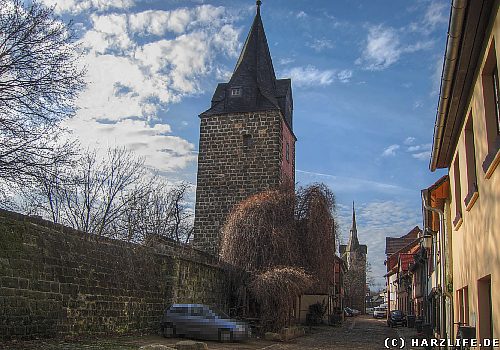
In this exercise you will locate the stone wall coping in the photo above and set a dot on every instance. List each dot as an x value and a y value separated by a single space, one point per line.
165 246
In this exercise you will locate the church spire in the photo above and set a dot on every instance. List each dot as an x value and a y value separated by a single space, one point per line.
354 228
353 237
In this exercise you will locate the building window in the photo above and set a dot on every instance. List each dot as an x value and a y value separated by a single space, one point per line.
458 202
470 160
491 95
288 152
463 305
235 92
496 97
247 141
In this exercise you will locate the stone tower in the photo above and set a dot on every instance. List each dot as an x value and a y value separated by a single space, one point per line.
355 256
247 143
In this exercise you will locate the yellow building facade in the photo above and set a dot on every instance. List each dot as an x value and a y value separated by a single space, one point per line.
467 143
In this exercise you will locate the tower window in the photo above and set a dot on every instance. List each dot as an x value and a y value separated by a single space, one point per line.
247 141
235 92
287 152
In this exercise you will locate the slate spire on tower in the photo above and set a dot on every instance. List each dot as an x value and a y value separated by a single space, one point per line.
253 85
353 237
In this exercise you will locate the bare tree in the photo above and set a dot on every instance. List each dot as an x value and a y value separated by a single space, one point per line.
39 81
158 209
44 195
114 196
97 194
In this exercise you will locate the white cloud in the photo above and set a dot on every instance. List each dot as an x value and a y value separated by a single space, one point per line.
160 150
320 44
310 76
223 74
344 76
422 155
134 75
158 22
286 60
390 151
351 184
301 14
425 147
77 6
436 14
420 152
108 33
436 77
409 140
113 95
383 48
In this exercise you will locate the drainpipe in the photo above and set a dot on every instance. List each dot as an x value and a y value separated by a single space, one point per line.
450 61
442 261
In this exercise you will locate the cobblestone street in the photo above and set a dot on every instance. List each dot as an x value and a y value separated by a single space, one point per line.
361 332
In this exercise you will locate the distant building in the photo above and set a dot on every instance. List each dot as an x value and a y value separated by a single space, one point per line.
396 293
437 281
354 255
247 144
467 143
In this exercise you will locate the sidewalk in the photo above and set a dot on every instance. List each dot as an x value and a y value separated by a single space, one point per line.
408 334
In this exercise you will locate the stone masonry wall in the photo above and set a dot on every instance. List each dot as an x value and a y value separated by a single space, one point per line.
54 281
230 171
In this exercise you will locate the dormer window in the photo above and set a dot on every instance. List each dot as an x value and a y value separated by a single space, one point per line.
235 92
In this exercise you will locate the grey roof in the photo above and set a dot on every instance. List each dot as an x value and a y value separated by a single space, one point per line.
254 76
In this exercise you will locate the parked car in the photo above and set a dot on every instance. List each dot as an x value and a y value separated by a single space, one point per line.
201 322
369 310
396 318
380 312
351 312
348 312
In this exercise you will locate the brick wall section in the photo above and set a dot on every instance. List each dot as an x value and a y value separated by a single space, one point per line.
288 165
229 172
56 282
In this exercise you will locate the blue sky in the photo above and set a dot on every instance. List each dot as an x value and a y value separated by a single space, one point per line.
365 78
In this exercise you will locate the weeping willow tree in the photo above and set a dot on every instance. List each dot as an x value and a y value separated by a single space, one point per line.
280 244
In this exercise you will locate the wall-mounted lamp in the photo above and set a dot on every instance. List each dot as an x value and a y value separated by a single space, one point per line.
427 240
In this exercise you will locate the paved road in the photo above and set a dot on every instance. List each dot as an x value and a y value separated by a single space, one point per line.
362 332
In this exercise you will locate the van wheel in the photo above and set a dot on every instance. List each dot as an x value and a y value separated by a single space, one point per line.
225 336
168 331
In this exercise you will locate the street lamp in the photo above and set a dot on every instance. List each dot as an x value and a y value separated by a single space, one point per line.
427 240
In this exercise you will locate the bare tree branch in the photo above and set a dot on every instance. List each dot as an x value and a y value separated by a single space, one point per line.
39 81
